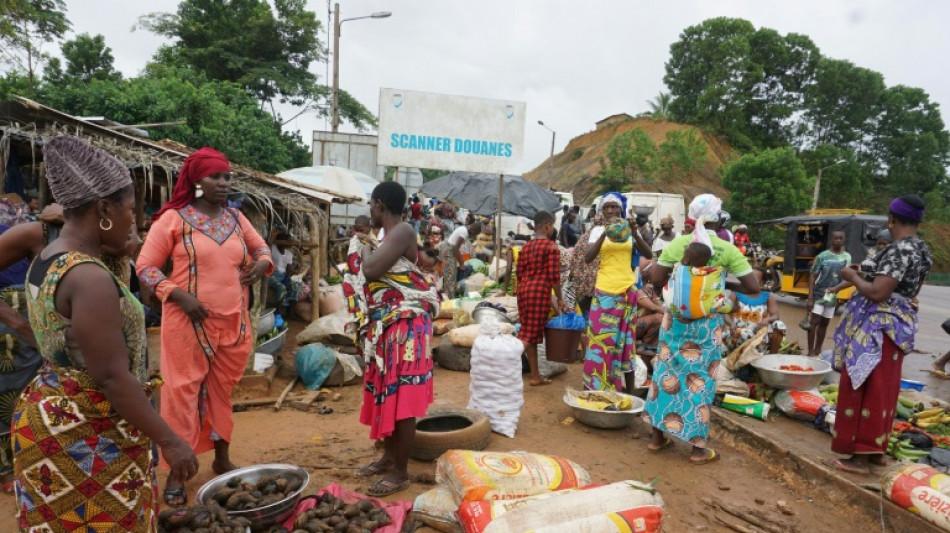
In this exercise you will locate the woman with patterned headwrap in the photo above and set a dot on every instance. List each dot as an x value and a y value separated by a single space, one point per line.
612 322
876 331
680 398
83 429
207 335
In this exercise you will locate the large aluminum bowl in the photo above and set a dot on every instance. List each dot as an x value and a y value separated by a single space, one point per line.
768 367
604 419
487 313
266 321
274 345
268 515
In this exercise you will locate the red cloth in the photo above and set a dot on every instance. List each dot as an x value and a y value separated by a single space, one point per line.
397 510
201 164
538 272
864 417
416 210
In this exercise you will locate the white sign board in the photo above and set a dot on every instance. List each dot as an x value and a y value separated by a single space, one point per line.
427 130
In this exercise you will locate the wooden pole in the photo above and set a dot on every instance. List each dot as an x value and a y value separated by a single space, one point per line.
315 232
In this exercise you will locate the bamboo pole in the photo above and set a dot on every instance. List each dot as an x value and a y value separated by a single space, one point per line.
315 232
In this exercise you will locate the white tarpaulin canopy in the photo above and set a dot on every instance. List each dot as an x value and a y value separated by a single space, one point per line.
337 180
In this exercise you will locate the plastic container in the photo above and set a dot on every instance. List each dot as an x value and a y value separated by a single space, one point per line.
562 345
909 384
745 406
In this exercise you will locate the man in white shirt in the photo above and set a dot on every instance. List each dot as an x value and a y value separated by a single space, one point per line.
280 279
666 235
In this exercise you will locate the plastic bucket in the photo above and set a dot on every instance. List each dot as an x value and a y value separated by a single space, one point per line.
562 345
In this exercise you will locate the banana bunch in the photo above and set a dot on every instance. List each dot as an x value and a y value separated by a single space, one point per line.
604 403
930 417
902 450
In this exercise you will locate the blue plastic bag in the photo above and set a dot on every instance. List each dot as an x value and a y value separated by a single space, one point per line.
571 321
314 364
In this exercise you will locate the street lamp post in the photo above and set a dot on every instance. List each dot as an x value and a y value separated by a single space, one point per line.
553 135
337 24
814 198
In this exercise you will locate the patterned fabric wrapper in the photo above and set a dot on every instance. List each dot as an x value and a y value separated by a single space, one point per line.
696 292
611 334
860 335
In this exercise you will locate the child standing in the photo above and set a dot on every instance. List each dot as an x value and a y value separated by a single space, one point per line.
538 273
822 298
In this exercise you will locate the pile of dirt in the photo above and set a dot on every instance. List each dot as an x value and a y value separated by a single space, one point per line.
583 158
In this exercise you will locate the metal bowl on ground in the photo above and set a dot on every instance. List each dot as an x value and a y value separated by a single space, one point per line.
268 515
483 313
772 375
603 419
274 344
266 321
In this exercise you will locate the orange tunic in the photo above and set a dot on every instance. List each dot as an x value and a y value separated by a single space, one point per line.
201 362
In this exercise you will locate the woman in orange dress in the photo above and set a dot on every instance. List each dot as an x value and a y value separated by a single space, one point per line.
207 335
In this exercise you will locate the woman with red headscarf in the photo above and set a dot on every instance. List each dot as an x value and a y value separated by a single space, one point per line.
207 336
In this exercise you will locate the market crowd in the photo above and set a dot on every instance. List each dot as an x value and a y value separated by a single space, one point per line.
662 307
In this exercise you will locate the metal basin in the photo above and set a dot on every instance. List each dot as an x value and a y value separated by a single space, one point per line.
273 345
266 321
768 368
261 517
604 419
485 313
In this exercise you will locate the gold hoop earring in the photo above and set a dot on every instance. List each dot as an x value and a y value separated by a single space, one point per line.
102 226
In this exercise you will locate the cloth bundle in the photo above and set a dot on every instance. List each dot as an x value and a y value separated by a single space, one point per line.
696 292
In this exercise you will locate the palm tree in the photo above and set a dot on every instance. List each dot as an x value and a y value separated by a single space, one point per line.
660 106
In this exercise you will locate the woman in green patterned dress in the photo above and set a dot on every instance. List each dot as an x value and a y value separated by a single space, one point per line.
83 429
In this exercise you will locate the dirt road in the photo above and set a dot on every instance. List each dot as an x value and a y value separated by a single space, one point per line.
333 446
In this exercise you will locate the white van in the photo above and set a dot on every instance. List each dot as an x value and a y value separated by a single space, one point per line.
663 204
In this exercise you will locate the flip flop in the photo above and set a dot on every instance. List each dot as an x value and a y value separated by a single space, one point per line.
844 467
666 444
711 456
384 487
543 382
375 468
177 497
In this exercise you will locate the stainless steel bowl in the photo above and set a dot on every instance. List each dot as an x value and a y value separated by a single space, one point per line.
485 313
273 345
268 515
266 321
605 419
768 367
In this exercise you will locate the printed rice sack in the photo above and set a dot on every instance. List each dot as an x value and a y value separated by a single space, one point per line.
472 475
920 489
800 404
696 292
436 509
625 506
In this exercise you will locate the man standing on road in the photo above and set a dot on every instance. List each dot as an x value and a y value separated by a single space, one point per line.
822 294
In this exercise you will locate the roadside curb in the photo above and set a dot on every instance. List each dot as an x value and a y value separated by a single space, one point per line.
798 469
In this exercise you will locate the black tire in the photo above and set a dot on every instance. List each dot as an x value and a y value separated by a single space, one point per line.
429 445
451 357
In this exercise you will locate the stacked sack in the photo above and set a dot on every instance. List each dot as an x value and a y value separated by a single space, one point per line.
495 492
496 388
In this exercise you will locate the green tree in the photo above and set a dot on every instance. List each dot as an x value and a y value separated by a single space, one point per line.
24 25
660 106
681 153
216 113
841 105
910 142
269 51
844 179
767 184
743 82
88 58
632 157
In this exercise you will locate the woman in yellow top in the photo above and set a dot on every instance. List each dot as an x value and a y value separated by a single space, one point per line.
608 362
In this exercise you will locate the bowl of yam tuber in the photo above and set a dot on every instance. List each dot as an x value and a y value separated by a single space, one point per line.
262 494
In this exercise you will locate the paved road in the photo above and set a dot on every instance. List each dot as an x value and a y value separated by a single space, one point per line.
931 339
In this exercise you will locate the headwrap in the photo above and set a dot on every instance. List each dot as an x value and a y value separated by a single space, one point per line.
79 173
691 221
201 164
704 208
613 197
903 209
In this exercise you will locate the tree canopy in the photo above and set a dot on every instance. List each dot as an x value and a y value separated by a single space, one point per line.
767 184
26 24
633 157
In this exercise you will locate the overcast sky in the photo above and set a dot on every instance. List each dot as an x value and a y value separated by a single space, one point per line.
572 62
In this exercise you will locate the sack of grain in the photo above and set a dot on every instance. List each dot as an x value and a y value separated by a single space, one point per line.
472 475
496 388
920 489
436 509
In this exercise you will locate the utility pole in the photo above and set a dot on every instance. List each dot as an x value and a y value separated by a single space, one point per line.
335 114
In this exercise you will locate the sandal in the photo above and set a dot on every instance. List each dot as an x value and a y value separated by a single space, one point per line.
666 444
373 469
849 468
711 456
385 487
541 383
176 497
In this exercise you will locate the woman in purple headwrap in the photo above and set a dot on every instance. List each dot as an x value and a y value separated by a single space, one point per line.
877 329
